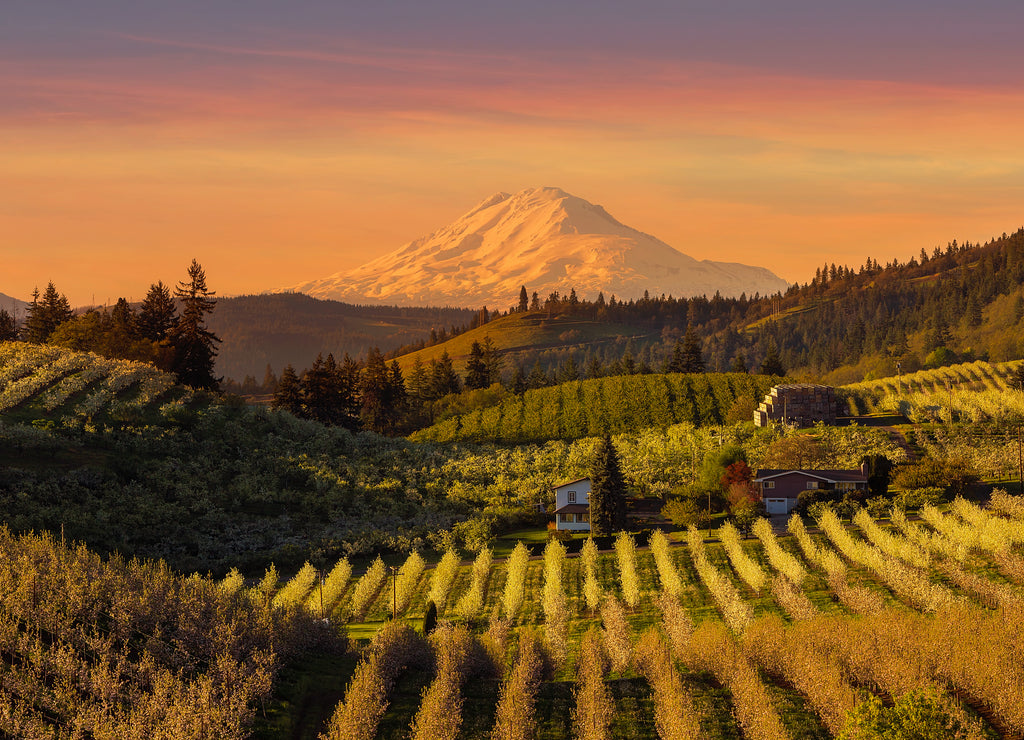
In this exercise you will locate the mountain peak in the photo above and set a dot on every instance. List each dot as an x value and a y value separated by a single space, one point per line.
546 239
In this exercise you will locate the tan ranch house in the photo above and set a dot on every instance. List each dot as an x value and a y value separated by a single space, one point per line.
779 489
572 506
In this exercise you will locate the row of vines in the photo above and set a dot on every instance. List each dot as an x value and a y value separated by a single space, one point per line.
610 405
971 392
62 384
808 633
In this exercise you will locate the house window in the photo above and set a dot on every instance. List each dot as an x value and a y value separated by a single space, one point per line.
812 485
846 486
572 497
769 484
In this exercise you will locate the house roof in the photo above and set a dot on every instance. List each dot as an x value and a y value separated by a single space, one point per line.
573 509
831 476
571 483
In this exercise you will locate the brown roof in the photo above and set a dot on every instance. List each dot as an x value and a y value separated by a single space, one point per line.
573 509
834 476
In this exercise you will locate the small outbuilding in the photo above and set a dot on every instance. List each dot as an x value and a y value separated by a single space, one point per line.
798 404
572 505
780 489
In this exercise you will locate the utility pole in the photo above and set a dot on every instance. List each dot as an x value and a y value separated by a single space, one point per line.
1020 461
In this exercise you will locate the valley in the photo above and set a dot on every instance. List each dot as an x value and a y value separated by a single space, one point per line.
373 552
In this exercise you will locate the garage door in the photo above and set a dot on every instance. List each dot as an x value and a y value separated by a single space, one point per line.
776 505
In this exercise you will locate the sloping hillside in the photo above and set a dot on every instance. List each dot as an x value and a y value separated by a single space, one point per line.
520 334
612 405
292 329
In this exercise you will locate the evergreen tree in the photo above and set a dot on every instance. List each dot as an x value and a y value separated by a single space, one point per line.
607 491
157 313
974 314
537 377
940 336
269 380
568 371
524 300
693 359
675 363
8 328
772 364
594 368
476 369
879 471
443 378
46 314
519 384
194 345
739 365
349 378
122 319
320 391
493 360
396 388
419 382
378 413
288 395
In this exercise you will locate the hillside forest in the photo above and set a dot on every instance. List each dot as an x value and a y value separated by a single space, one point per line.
367 551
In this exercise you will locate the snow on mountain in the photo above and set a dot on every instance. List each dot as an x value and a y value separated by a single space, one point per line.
545 239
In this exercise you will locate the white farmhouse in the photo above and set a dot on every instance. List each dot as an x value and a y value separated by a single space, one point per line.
572 505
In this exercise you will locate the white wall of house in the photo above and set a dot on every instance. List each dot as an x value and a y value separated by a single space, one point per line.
576 492
573 494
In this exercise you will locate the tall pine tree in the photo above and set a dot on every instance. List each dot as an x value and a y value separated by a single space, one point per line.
195 347
157 314
8 327
46 314
692 359
378 412
476 368
772 364
288 395
607 491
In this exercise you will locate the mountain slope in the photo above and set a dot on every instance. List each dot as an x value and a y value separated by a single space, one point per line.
545 239
13 306
291 329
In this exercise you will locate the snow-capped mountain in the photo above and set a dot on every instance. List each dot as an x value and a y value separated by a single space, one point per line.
545 239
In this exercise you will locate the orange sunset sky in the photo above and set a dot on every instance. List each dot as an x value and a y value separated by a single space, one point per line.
278 145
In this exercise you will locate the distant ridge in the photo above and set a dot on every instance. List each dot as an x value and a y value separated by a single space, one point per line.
545 239
11 304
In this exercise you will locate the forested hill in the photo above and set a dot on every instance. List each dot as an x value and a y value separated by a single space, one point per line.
290 328
957 304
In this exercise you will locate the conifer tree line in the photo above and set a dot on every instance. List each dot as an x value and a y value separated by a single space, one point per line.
377 396
837 318
168 329
356 395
